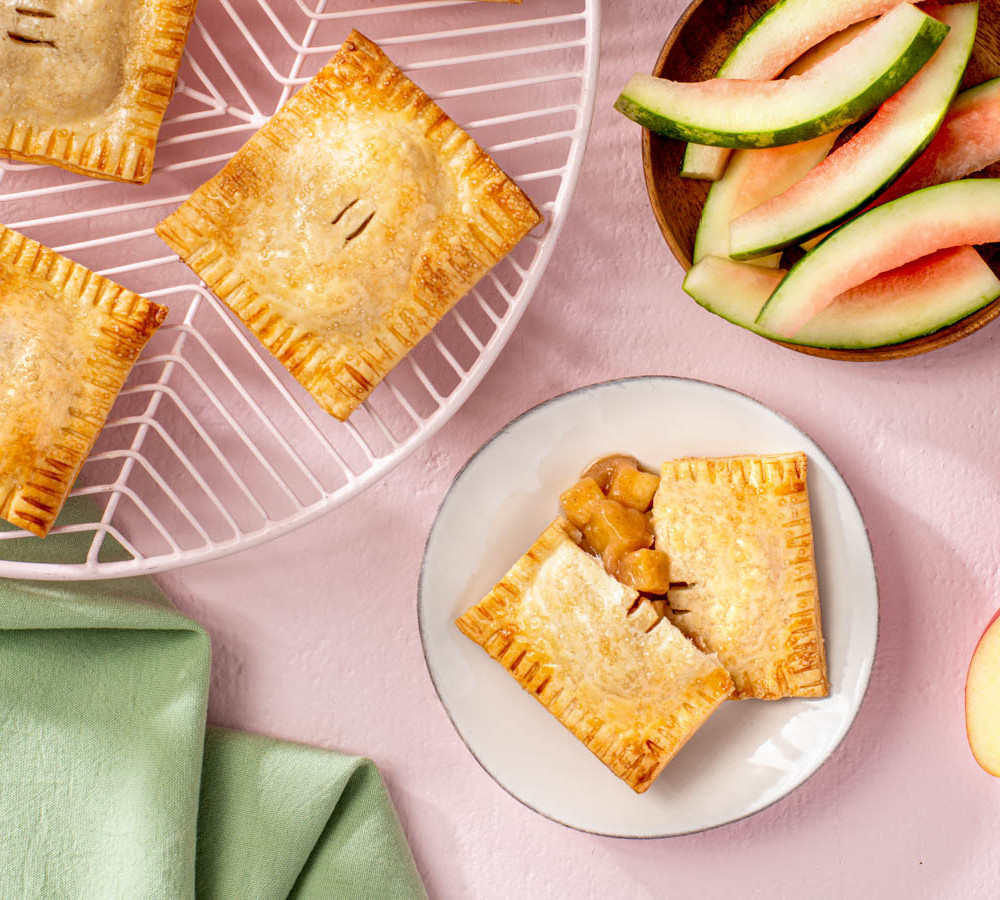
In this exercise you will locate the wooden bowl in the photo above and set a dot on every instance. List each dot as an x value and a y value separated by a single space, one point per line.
694 51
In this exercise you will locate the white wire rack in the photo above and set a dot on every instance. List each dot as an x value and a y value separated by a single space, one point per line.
212 447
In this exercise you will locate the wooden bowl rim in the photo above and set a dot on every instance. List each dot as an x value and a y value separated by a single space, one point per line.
923 344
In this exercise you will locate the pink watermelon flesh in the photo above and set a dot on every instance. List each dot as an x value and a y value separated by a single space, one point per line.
809 193
947 266
968 141
917 298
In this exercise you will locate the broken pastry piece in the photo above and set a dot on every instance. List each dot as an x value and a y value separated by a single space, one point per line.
68 339
85 85
349 225
738 531
628 684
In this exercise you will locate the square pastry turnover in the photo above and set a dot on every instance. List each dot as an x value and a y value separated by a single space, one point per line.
625 682
68 339
738 530
84 85
349 225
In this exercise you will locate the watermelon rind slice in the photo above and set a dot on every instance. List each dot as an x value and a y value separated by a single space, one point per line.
839 91
917 299
916 225
779 37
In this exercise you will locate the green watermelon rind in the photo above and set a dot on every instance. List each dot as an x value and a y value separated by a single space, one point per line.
927 37
728 296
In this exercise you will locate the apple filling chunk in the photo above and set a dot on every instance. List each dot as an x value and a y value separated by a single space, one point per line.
633 488
581 500
610 504
614 530
645 570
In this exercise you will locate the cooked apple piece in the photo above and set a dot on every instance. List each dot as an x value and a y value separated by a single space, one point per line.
633 487
982 699
603 471
645 570
614 529
580 501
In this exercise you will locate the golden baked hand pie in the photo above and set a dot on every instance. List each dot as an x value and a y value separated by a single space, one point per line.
84 84
68 338
738 530
349 225
629 685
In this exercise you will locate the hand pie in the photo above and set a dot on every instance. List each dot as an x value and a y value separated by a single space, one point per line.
738 530
84 85
68 338
349 225
629 685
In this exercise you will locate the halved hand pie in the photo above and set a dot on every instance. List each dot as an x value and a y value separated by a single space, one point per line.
68 338
84 85
738 531
349 225
627 684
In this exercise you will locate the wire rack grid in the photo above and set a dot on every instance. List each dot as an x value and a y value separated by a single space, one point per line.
212 447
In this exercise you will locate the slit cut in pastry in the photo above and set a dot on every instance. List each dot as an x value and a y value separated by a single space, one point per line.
739 532
68 339
85 85
347 226
629 685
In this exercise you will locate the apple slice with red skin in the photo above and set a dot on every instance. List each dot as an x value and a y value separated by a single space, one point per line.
982 699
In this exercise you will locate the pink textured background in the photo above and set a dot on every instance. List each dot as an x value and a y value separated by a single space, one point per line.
315 635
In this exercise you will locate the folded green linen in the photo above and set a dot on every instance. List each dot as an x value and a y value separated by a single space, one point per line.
111 788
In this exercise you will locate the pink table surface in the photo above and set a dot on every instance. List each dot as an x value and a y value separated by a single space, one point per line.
315 635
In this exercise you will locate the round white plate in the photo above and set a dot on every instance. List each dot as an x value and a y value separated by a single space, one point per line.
749 754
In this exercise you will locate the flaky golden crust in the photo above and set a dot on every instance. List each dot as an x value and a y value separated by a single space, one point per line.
349 225
119 141
740 532
68 339
628 685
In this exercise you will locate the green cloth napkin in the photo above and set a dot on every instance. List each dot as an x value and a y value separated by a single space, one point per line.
111 788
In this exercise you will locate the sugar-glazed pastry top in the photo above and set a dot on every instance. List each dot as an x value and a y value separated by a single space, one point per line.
68 338
625 682
739 531
350 224
84 84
